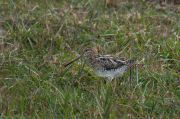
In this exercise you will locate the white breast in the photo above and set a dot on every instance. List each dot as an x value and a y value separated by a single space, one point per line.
112 73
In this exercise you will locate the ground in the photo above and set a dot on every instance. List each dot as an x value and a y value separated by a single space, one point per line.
37 37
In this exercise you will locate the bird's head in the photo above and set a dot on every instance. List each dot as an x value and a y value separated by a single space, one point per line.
88 52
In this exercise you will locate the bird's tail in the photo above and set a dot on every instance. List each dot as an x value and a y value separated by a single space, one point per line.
133 63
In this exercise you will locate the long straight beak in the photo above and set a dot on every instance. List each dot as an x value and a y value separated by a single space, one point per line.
73 60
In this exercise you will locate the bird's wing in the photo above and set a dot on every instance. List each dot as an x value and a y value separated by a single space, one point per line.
111 62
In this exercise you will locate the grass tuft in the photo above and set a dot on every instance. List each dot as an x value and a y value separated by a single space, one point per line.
38 37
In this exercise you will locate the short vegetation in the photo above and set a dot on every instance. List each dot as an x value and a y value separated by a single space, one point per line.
37 37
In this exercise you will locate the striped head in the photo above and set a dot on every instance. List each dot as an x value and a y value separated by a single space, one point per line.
87 52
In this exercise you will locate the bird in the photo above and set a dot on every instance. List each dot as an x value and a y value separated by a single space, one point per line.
109 66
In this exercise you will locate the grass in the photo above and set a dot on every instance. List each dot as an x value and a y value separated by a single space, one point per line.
38 37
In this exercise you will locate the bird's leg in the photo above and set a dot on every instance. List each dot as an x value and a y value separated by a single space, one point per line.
130 73
109 78
113 84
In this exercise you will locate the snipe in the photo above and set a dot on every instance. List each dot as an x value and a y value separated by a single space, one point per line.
107 65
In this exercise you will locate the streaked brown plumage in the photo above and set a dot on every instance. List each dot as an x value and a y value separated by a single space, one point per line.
107 65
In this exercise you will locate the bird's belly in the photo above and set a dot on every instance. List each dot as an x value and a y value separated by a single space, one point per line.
111 72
